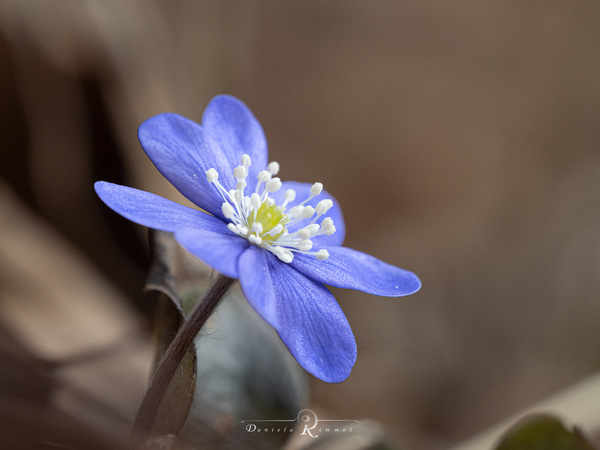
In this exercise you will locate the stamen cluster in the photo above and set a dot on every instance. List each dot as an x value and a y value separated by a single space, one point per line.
259 219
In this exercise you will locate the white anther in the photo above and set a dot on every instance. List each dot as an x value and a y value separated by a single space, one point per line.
231 227
285 255
323 206
327 226
212 175
264 176
303 233
322 255
241 229
273 185
227 210
305 245
273 167
240 172
295 212
237 195
255 239
246 203
255 201
316 189
276 230
313 228
308 231
241 184
308 212
257 227
246 162
289 196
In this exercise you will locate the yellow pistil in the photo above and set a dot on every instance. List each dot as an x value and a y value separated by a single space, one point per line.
269 215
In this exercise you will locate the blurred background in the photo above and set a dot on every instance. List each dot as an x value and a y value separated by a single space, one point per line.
461 139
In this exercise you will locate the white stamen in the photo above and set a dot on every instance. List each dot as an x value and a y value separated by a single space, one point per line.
255 239
212 175
289 196
308 212
273 167
257 227
305 245
239 172
295 212
264 176
246 203
241 229
286 256
316 189
255 201
322 254
228 210
273 185
323 206
276 230
327 226
308 231
271 232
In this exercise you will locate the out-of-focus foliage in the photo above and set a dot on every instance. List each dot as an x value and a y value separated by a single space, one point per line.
73 357
543 432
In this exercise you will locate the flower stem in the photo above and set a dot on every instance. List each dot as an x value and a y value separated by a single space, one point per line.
174 355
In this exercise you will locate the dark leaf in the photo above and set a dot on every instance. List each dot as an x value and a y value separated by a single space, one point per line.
165 280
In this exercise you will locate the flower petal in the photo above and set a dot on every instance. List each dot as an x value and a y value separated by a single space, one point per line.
309 320
302 193
257 284
153 211
236 131
351 269
220 251
178 148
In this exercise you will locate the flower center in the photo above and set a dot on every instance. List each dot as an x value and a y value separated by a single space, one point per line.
259 219
269 215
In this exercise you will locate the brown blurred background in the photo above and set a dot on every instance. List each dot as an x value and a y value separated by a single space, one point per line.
461 138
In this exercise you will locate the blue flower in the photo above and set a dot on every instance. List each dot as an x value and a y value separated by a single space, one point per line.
282 240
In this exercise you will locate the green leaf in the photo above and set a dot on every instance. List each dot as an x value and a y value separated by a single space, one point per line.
543 432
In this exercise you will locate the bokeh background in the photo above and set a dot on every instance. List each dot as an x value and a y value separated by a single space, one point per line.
461 138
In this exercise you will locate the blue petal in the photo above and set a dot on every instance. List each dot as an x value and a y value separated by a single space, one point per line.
178 148
302 193
220 251
308 318
236 131
257 284
183 151
351 269
153 211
